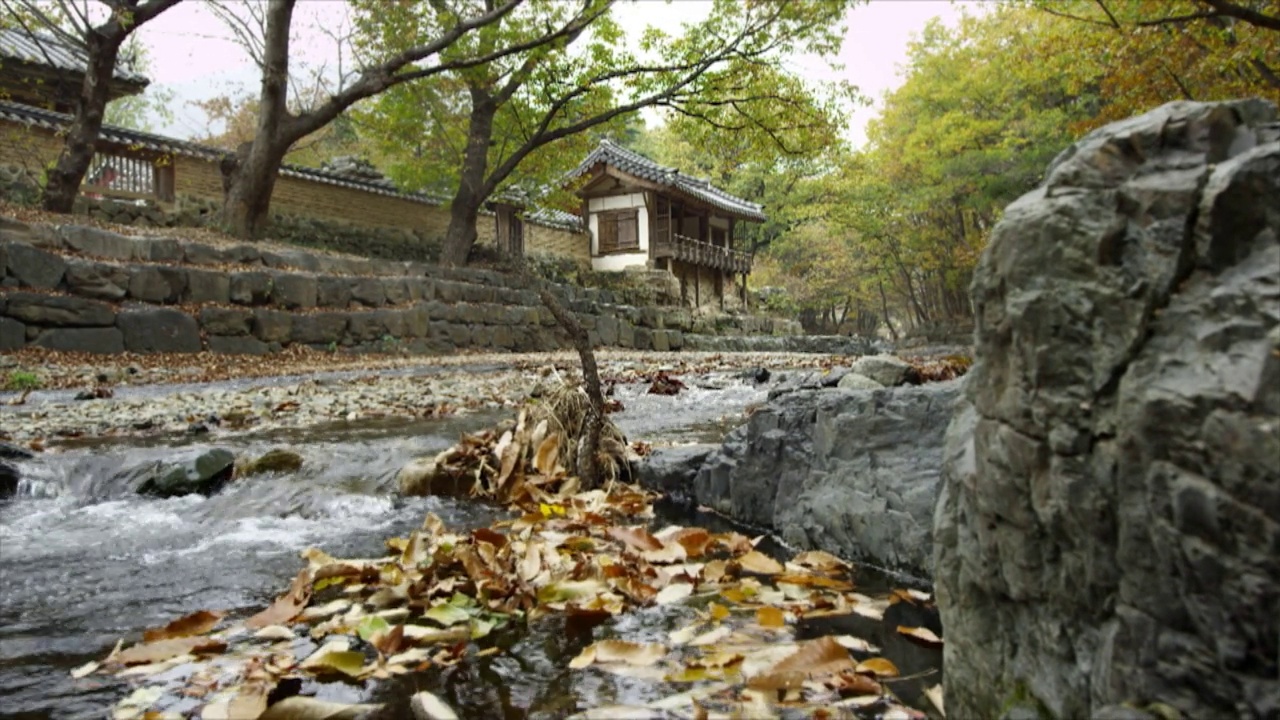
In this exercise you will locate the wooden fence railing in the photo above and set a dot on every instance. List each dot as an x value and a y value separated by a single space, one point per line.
699 252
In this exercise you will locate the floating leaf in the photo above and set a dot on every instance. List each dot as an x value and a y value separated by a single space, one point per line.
567 590
447 614
300 707
712 637
336 657
287 606
608 651
426 706
329 609
673 593
759 563
197 623
274 632
820 560
684 634
856 644
636 538
881 667
718 612
165 649
771 617
813 659
85 670
371 626
923 635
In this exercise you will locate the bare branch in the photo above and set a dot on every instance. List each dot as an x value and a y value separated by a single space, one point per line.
1240 12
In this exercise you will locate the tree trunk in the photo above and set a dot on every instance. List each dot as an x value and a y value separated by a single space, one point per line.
250 176
884 306
472 191
63 183
249 179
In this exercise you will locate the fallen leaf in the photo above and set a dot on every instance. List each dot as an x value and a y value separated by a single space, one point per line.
712 637
935 696
856 643
881 667
814 659
85 670
673 593
275 632
337 658
771 617
718 612
287 606
371 626
636 538
608 651
300 707
820 560
694 540
426 706
922 634
759 563
544 460
197 623
165 649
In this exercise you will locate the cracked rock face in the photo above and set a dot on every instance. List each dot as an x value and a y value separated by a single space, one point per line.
1109 525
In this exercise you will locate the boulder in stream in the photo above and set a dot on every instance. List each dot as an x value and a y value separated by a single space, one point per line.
277 460
1109 528
9 478
852 472
203 472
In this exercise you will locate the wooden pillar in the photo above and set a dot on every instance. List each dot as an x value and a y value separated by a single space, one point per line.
697 285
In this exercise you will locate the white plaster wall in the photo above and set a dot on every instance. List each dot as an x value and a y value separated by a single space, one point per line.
618 202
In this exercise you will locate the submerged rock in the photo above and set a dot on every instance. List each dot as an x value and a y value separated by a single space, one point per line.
1109 528
9 478
203 473
852 472
277 460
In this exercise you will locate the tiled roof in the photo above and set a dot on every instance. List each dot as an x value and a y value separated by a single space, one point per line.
642 167
44 49
49 120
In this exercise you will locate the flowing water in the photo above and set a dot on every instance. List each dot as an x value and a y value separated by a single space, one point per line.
84 562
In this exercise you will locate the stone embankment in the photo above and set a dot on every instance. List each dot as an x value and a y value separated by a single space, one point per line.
78 288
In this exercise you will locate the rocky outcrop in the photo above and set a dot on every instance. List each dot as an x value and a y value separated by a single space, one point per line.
1109 529
853 472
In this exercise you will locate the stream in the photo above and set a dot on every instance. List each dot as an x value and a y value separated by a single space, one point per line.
83 563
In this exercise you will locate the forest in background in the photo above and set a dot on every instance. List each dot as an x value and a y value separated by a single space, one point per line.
877 239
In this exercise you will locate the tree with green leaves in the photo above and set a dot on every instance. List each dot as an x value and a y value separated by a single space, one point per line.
97 33
250 173
528 117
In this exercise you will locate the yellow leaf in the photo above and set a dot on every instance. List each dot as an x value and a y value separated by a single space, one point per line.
197 623
718 611
881 667
336 657
770 617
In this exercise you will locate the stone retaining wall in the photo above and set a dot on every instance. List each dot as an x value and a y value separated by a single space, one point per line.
78 288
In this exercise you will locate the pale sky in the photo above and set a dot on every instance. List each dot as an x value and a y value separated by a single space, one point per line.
193 56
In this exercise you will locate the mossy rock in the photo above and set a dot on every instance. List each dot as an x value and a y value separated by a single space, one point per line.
274 461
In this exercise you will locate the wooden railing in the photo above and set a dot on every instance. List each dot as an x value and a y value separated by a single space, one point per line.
698 252
118 173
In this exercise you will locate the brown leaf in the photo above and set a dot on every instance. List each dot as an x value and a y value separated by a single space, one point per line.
608 651
287 606
757 562
695 541
197 623
636 538
548 453
391 642
813 659
882 667
165 649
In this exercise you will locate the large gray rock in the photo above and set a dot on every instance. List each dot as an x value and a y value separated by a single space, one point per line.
13 334
159 330
203 472
1109 529
99 340
97 280
98 243
293 291
884 369
672 470
225 321
208 286
59 310
35 267
853 472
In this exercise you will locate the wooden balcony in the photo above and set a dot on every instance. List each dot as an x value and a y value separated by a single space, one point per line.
698 252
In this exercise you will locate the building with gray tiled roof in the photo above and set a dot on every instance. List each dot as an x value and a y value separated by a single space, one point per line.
44 71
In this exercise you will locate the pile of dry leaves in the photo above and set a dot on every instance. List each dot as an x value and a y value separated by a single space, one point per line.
437 594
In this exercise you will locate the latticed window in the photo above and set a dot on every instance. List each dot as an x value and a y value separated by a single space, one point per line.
619 231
